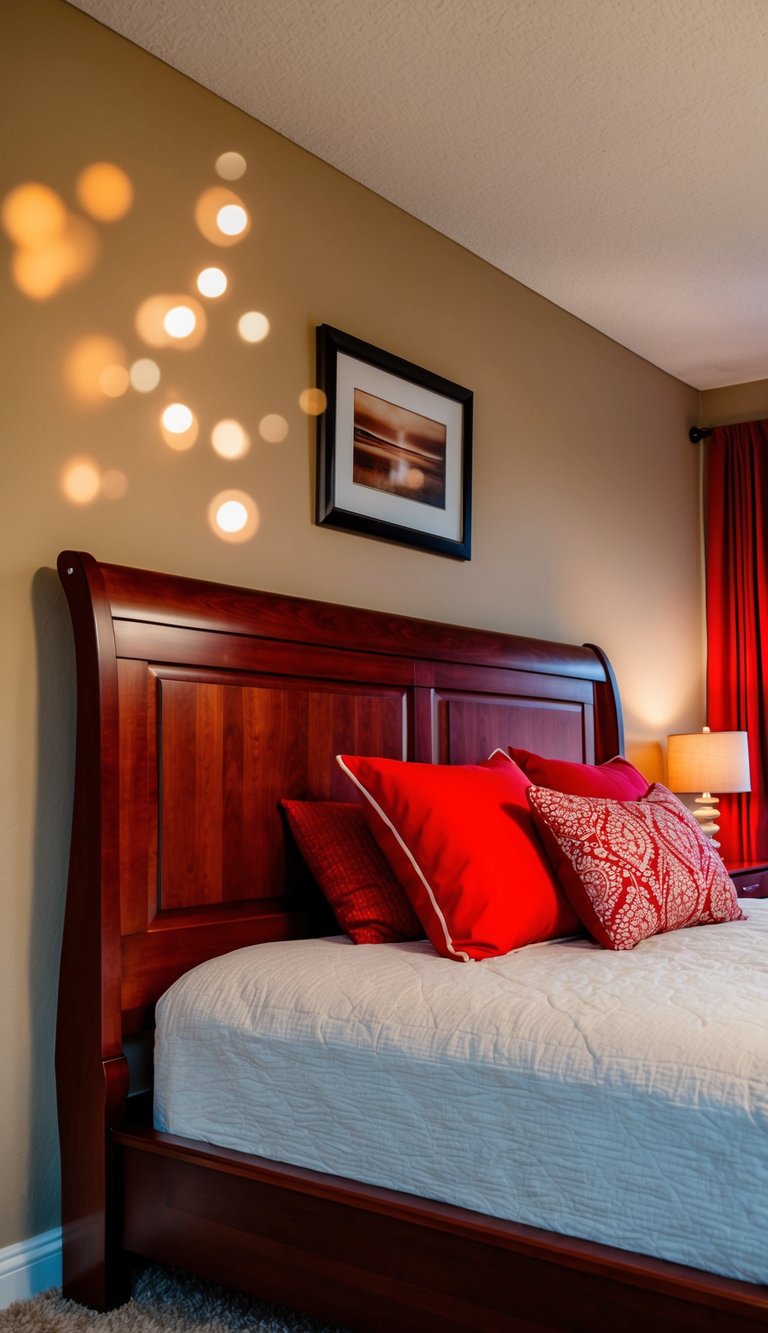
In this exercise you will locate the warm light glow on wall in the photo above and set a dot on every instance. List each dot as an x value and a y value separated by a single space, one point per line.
88 361
56 247
104 191
232 219
212 282
222 216
145 375
233 516
178 418
114 484
33 215
273 428
313 402
114 380
153 316
230 439
179 426
253 327
81 481
179 322
41 269
230 166
41 273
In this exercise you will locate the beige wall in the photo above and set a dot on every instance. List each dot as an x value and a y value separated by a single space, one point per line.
586 488
737 402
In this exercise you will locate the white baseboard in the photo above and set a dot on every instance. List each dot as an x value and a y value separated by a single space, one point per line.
29 1267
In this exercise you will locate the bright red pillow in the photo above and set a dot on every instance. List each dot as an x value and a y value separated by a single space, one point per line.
617 778
633 869
461 840
340 850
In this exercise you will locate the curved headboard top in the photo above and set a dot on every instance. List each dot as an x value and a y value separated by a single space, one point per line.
168 599
201 705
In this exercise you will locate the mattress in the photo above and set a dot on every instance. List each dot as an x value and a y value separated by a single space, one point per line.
620 1097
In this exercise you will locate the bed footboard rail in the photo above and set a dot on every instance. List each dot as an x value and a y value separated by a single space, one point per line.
373 1259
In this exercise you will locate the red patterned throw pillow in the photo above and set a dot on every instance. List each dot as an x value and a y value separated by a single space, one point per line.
461 840
633 869
340 850
616 778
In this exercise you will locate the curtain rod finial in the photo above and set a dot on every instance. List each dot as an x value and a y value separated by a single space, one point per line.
697 433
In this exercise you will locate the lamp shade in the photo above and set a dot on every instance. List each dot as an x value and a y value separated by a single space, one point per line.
708 761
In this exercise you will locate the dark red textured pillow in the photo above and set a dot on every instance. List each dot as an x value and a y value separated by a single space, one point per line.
355 876
633 869
461 840
617 779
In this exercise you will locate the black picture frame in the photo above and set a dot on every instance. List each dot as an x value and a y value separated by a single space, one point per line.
394 448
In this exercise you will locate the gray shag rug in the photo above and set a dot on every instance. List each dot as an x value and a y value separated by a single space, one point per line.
163 1301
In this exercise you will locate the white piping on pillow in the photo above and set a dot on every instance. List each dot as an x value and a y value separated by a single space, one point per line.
457 953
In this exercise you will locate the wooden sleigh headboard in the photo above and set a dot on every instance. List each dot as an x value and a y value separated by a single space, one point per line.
199 707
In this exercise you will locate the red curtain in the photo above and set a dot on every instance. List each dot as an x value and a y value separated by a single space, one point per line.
737 620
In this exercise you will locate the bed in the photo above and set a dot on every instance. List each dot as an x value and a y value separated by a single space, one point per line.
200 708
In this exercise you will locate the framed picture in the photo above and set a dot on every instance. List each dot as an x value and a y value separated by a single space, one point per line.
394 448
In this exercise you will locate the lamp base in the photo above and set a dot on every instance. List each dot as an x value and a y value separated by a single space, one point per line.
706 813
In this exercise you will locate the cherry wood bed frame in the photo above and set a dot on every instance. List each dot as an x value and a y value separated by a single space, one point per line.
199 707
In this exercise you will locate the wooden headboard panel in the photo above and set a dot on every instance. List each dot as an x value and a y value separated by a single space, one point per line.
200 706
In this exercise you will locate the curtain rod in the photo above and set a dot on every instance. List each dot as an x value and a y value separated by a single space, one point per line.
697 433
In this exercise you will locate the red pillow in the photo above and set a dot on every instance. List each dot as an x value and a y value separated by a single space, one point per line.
337 845
633 868
461 840
617 778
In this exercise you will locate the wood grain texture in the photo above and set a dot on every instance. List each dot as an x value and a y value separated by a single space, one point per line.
91 1069
199 708
371 1258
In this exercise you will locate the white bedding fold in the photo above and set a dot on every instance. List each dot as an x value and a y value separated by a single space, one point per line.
621 1097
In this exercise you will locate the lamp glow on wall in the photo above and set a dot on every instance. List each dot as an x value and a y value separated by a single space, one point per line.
706 762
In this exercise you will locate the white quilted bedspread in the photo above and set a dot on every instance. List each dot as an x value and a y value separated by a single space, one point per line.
622 1097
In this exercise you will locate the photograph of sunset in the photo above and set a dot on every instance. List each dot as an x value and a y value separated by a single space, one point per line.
398 451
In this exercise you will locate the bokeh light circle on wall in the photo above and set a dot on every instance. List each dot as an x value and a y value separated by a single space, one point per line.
33 215
40 271
104 191
151 316
230 166
218 202
178 418
179 322
313 402
230 439
81 480
114 380
273 428
212 282
233 516
87 361
253 327
144 375
114 484
179 426
232 219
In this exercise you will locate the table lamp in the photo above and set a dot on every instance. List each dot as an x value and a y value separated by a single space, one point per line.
708 761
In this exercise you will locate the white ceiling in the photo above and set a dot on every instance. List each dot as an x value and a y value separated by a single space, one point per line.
610 154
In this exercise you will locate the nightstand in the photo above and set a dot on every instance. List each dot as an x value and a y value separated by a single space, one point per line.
751 879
